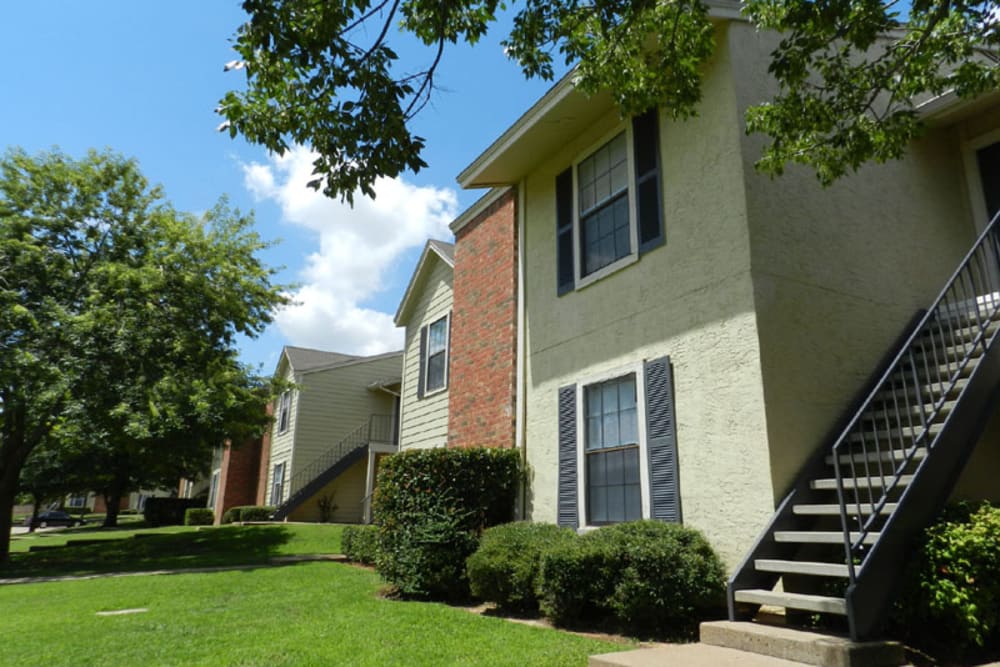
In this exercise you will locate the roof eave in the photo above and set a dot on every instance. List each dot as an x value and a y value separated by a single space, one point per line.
404 305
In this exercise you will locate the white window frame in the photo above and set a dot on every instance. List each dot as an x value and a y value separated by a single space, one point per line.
213 487
633 215
973 179
284 411
581 438
276 499
427 357
77 501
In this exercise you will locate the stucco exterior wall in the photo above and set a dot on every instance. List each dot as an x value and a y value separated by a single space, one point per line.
691 299
347 490
839 271
424 421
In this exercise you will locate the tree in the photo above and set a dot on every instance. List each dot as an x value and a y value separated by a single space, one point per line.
118 314
324 73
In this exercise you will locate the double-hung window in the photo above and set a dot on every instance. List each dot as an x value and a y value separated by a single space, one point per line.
608 208
284 410
613 491
277 484
434 356
618 447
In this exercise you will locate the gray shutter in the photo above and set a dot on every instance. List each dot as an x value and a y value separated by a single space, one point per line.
568 512
447 353
423 362
565 275
649 205
661 441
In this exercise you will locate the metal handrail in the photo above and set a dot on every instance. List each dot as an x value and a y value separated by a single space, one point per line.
377 428
933 358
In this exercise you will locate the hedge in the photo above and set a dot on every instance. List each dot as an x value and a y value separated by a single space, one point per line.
431 506
169 511
199 516
648 578
505 568
247 513
949 604
359 543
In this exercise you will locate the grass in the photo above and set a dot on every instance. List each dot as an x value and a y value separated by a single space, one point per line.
306 614
170 547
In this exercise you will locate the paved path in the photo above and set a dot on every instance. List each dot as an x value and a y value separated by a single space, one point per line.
277 561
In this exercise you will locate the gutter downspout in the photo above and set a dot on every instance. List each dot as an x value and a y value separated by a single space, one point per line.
519 391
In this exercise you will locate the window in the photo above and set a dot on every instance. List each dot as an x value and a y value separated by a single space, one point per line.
608 206
77 501
618 447
284 410
213 489
611 443
434 357
277 484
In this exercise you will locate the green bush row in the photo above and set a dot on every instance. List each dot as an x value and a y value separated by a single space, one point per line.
247 513
430 508
949 604
199 516
359 543
644 578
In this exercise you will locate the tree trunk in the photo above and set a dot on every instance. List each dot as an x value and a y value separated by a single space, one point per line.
113 499
6 519
35 502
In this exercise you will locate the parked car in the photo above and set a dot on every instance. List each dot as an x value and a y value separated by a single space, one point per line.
53 518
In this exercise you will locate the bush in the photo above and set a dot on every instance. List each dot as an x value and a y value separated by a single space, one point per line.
431 506
358 543
247 513
949 604
504 569
169 511
199 516
651 579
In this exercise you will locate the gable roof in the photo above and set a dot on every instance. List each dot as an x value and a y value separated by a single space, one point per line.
433 251
306 359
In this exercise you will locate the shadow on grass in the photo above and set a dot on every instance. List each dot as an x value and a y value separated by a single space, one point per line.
247 545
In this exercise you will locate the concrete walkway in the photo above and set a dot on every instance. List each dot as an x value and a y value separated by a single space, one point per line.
277 561
688 655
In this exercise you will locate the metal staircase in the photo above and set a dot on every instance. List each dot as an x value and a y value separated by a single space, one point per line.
838 540
308 481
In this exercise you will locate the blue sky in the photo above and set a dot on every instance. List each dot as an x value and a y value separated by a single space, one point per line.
144 78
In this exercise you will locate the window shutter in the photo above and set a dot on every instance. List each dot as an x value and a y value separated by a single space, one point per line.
661 441
568 512
423 362
646 137
565 275
447 354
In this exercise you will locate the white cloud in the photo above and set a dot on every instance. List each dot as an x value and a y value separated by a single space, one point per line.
356 249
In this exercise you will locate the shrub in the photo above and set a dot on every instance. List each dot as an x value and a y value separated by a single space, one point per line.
199 516
652 579
504 569
949 604
169 511
430 507
358 543
247 513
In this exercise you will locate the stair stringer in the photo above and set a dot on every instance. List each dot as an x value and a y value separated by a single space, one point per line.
314 486
868 599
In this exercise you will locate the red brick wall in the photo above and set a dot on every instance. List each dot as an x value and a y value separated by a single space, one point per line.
264 462
482 373
238 477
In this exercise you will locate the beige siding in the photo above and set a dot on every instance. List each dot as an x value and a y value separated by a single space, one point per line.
282 444
347 491
691 300
424 421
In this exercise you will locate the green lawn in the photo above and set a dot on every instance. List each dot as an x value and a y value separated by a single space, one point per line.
167 548
306 614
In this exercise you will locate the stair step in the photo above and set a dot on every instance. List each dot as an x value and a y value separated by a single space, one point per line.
891 456
958 334
888 412
896 434
932 390
830 484
834 510
816 603
820 536
801 567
